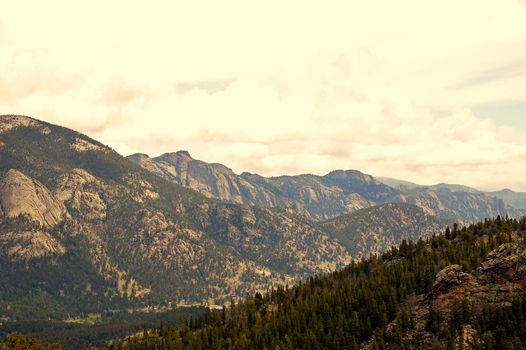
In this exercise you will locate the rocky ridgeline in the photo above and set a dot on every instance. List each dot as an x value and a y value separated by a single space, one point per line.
322 197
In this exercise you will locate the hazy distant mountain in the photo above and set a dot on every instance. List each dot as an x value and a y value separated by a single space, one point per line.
323 197
398 184
406 185
517 200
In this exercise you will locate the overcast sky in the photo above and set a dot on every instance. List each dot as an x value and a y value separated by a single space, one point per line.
426 91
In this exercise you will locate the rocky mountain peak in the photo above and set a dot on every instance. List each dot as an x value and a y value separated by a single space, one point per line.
350 175
184 154
173 157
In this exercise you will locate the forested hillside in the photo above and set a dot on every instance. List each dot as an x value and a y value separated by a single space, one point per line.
463 289
378 228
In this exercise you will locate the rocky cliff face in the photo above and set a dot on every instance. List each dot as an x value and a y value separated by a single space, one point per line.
211 180
323 197
462 203
515 199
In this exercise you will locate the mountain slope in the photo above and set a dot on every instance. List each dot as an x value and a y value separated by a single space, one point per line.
462 290
85 230
378 228
457 206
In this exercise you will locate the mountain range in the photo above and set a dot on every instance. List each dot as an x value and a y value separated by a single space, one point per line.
84 230
324 197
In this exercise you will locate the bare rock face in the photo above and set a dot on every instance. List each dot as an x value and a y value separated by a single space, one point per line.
71 182
495 282
507 263
81 145
212 180
27 245
12 122
21 195
451 277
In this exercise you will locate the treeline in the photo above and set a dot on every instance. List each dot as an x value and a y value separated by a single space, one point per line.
352 308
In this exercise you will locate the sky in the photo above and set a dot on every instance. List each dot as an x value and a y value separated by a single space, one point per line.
425 91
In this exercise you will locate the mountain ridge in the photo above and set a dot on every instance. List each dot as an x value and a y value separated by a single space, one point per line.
339 192
514 198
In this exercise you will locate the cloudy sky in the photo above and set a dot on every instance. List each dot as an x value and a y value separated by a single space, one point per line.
427 91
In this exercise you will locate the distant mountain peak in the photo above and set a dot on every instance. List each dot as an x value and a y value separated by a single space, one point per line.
350 174
183 153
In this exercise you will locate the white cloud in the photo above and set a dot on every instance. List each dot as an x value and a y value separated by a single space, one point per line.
281 87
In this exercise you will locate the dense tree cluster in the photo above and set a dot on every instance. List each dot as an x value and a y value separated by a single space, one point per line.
352 308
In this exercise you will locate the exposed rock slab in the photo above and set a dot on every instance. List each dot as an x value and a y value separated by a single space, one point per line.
22 196
501 276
